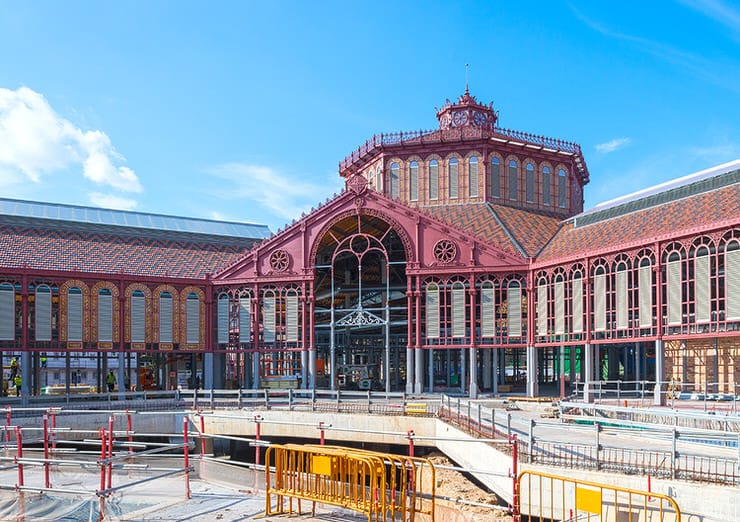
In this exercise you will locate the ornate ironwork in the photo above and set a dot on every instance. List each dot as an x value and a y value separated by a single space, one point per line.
445 251
360 317
279 260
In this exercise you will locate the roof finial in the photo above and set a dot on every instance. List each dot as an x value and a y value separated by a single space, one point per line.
466 78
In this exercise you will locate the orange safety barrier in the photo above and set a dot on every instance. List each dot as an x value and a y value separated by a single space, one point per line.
380 485
542 496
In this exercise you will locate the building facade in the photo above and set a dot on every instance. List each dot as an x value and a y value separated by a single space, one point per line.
456 259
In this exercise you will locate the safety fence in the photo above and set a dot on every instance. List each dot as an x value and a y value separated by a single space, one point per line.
542 496
675 453
381 486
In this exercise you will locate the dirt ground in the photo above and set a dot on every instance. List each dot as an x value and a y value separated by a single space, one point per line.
454 485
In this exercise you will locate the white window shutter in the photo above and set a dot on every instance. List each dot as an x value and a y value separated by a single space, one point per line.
291 318
514 297
245 320
701 288
432 312
577 296
673 276
43 313
223 319
268 318
622 301
559 307
138 317
458 310
542 309
105 317
488 311
645 288
165 318
192 324
732 284
74 314
7 312
600 302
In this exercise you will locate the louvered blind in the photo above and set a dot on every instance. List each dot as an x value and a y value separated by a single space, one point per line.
487 311
514 297
542 309
7 312
622 302
165 318
495 178
473 189
395 180
701 288
458 311
43 313
600 302
138 317
646 296
268 318
192 328
414 181
291 318
105 317
673 271
433 179
732 283
453 178
223 319
245 324
577 296
74 314
432 309
559 307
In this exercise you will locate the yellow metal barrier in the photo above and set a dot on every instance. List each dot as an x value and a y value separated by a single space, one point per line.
380 485
541 496
416 407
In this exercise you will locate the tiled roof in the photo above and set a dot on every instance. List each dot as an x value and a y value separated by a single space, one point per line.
479 220
50 249
672 217
531 230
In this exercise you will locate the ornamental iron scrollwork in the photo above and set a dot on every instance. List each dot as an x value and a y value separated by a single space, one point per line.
279 260
445 251
360 317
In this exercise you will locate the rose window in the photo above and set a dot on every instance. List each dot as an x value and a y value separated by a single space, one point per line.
445 251
279 260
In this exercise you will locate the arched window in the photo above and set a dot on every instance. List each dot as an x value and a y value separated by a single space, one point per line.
458 310
530 183
378 178
542 307
268 316
559 305
673 281
395 179
622 302
576 292
495 178
454 177
514 313
473 175
291 316
513 174
600 299
546 186
432 311
562 189
192 323
371 179
433 179
74 314
43 313
7 312
105 315
223 316
488 309
702 292
165 317
245 318
645 293
414 181
138 317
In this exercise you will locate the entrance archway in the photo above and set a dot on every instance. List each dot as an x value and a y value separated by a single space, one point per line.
360 314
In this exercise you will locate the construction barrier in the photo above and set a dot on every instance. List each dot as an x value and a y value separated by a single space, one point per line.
541 496
381 486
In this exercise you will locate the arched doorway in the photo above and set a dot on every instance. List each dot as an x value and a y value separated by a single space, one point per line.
360 315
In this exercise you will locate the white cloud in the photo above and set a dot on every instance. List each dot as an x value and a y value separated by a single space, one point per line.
111 201
719 11
612 145
35 142
283 195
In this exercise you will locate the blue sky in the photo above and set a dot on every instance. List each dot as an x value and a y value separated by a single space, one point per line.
242 110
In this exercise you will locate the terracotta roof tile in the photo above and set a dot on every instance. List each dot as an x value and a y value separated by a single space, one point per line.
48 249
532 230
671 217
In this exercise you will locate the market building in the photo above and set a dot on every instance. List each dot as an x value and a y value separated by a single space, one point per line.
456 259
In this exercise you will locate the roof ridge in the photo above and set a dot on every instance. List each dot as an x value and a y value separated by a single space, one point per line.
506 231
